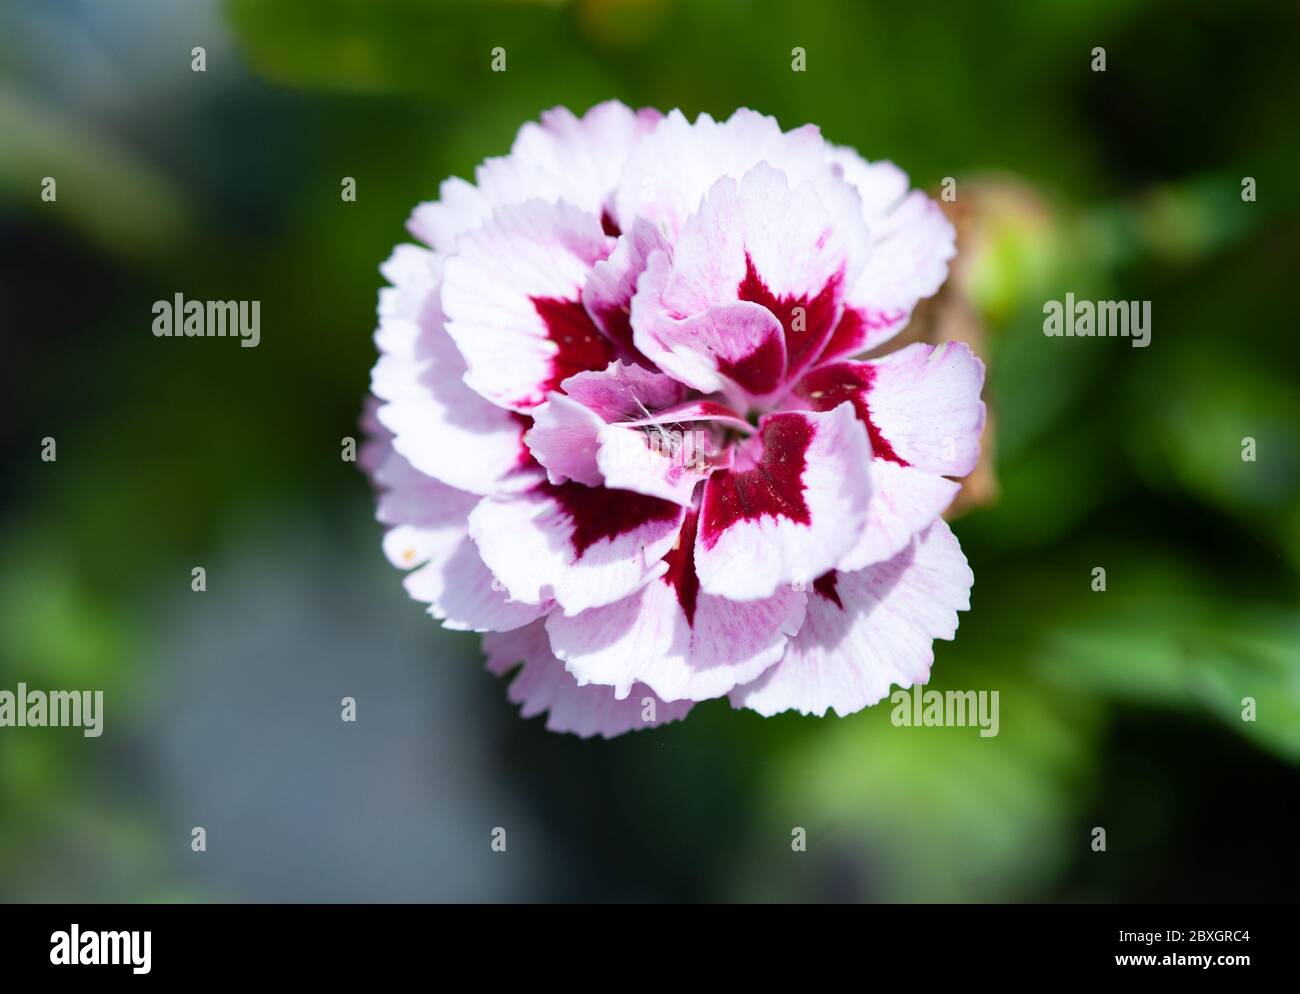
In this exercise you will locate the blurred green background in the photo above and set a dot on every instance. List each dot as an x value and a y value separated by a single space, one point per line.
1119 709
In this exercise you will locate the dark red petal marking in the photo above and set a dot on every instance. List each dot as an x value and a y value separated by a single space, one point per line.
617 324
608 224
701 410
774 487
581 345
525 457
598 514
760 372
681 574
849 334
855 328
801 346
825 585
830 386
712 409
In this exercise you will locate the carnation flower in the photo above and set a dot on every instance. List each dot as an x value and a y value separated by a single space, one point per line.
619 428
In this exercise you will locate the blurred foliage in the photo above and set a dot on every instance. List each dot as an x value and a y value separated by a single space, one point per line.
1120 708
103 184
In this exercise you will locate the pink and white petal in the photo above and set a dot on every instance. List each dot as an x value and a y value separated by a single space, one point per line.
905 501
762 242
612 283
415 276
622 391
881 185
567 431
921 405
581 546
926 400
772 244
562 158
463 594
409 497
409 546
735 349
670 170
441 426
911 243
446 430
513 297
679 642
668 454
427 517
565 157
377 440
759 223
910 250
410 310
861 329
795 503
543 685
659 463
692 411
922 412
461 206
907 261
866 631
564 438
